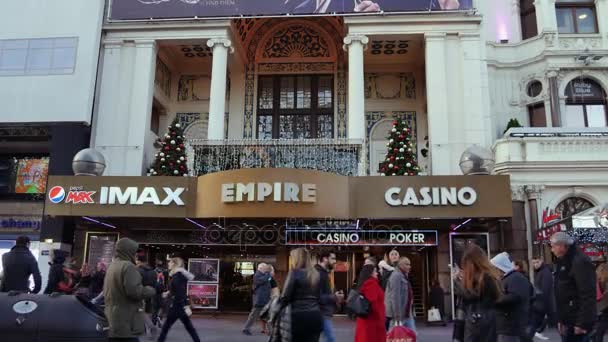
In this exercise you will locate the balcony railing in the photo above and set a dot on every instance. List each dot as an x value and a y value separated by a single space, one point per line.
340 156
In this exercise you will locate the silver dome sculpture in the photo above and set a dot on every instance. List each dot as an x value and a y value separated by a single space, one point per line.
88 162
477 160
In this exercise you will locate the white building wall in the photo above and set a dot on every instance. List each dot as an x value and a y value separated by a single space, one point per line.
52 98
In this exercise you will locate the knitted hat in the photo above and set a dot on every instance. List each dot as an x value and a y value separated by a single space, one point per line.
502 262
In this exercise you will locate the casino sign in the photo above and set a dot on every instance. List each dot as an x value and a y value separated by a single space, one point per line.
305 237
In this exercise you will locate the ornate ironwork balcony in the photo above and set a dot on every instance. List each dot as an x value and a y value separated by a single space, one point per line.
341 156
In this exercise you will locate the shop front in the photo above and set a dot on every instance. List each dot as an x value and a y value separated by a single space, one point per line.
226 223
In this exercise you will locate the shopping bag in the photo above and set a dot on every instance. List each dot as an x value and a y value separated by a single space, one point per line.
400 334
434 315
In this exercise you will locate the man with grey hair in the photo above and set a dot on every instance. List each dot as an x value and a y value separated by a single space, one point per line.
399 296
261 295
574 289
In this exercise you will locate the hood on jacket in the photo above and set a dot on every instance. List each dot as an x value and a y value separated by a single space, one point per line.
384 265
126 249
58 257
503 262
183 271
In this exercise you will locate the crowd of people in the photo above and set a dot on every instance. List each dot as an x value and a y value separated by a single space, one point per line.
495 299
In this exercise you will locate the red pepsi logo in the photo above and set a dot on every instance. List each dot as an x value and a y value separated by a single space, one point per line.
56 194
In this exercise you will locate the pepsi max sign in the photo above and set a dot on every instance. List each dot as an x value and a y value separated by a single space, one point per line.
117 195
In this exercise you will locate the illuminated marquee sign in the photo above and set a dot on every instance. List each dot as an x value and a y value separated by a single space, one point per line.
361 237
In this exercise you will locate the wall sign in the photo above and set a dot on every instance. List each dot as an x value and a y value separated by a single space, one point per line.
362 237
203 296
20 223
100 248
279 192
424 196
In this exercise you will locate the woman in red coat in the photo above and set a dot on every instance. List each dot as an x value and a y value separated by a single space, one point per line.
371 328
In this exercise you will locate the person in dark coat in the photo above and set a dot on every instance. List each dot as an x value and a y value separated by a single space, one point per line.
96 284
327 261
478 287
302 293
371 328
178 292
602 302
575 292
56 275
148 276
262 288
18 265
543 305
513 307
437 298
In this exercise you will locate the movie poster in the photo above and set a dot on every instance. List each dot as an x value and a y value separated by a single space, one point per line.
205 270
167 9
203 296
31 176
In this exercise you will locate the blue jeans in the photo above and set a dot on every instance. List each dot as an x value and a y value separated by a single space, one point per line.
328 330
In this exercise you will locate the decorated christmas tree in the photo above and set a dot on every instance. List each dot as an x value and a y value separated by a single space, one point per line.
401 155
171 160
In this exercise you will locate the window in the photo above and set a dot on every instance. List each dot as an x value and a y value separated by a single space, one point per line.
585 104
576 16
537 115
534 88
47 56
528 19
295 107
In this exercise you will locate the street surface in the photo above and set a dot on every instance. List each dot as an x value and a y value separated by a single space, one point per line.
227 328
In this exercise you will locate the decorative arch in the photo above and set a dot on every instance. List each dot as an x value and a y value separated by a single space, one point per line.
560 200
601 79
296 41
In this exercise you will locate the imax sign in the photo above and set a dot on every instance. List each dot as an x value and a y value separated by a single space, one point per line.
117 195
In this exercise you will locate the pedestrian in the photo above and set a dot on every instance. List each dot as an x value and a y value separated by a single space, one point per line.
96 284
543 305
162 282
387 266
513 307
326 264
478 287
148 277
575 294
371 328
437 298
370 260
58 281
124 293
302 293
178 292
275 293
261 295
18 265
602 303
399 297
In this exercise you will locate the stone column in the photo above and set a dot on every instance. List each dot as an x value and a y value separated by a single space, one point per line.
217 97
554 99
533 193
546 19
122 117
517 240
355 45
437 103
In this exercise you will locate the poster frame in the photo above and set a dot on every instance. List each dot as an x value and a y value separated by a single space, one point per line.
216 265
217 295
488 251
85 257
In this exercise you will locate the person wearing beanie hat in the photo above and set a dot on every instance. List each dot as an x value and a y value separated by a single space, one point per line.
514 306
575 292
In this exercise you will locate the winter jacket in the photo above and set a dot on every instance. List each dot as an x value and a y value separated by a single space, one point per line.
148 278
18 265
299 293
96 284
372 327
479 311
545 301
574 284
178 287
124 293
261 289
328 299
513 307
385 273
398 296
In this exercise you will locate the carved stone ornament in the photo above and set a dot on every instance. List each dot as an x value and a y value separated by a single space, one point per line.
534 191
550 39
517 193
296 67
296 41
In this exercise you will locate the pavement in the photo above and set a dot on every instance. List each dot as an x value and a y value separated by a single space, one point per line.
228 328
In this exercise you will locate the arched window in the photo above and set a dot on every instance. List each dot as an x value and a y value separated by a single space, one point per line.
585 104
528 19
572 206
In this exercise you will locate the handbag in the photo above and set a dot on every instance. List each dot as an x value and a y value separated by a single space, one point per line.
434 315
188 310
400 333
357 304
